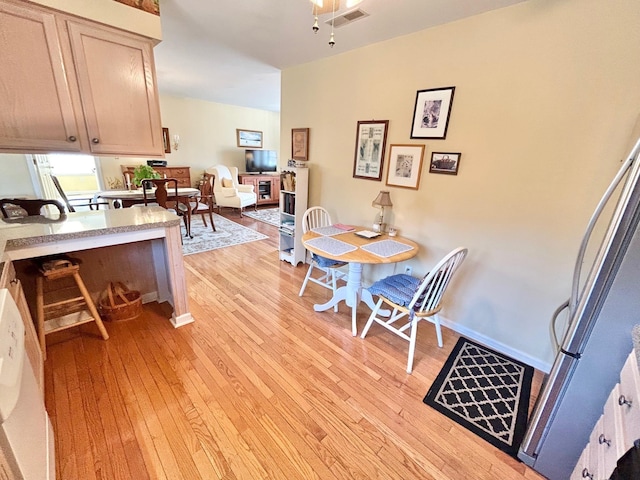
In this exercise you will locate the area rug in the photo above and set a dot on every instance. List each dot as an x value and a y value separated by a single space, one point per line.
227 234
485 392
267 215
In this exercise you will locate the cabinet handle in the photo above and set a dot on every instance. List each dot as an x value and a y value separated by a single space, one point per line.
72 138
623 401
95 140
14 281
602 440
586 474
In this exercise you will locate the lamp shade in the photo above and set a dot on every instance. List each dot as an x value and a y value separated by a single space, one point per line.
382 200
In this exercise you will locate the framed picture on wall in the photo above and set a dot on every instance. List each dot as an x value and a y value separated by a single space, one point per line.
300 144
405 166
165 140
445 163
249 138
371 139
431 113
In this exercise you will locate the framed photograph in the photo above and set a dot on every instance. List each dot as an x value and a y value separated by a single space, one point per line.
444 163
405 166
249 138
300 144
165 140
371 139
431 113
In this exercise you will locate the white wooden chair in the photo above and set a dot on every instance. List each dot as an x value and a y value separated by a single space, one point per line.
415 299
315 217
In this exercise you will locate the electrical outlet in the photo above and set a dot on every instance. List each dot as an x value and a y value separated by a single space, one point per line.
408 270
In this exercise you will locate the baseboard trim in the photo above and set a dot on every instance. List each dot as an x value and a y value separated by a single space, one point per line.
498 346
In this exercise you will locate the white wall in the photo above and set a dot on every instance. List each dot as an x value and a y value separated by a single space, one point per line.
546 99
15 180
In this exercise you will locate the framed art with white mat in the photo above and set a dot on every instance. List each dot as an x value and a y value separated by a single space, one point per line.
405 166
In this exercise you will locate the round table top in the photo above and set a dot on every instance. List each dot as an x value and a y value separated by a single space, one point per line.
139 195
359 255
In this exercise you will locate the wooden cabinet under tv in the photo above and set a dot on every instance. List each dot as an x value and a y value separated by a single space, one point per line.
267 187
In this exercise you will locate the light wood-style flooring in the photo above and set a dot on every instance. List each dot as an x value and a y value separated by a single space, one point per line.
259 387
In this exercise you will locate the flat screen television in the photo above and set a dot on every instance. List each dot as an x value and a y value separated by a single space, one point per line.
259 161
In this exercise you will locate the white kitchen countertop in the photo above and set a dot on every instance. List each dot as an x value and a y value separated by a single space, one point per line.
29 231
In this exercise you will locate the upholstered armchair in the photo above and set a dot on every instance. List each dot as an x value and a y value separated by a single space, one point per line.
228 192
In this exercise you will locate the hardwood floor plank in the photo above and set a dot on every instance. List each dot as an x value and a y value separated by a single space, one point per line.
259 387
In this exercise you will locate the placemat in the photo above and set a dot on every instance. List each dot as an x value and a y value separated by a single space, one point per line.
331 245
328 230
387 248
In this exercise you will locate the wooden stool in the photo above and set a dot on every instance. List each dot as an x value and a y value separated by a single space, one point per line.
62 314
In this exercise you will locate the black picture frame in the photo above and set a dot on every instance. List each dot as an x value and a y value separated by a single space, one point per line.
445 162
371 141
431 113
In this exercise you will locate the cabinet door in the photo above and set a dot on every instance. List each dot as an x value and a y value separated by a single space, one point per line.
116 78
37 111
31 343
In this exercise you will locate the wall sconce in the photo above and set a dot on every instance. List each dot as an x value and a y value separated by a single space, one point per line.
176 142
382 200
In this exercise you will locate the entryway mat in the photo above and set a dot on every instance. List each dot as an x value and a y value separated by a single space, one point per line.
486 392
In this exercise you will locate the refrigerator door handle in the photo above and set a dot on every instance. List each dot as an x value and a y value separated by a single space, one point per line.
573 300
554 319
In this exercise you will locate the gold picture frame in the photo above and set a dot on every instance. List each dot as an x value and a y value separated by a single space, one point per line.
405 166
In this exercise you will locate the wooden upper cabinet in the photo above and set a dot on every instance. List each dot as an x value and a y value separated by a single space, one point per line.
68 84
37 111
116 79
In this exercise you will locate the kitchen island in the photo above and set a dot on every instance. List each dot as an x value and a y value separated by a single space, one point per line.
140 247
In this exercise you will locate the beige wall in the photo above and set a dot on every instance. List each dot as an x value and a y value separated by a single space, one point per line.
546 99
207 133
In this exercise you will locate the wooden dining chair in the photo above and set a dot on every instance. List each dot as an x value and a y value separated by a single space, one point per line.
20 207
316 217
166 195
203 204
414 299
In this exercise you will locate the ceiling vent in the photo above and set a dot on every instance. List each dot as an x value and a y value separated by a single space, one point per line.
348 17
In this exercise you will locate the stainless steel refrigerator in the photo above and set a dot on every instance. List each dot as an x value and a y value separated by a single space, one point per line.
602 310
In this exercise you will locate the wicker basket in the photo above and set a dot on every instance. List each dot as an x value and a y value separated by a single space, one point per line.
118 303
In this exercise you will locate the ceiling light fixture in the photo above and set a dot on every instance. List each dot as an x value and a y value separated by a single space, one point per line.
321 7
332 40
315 26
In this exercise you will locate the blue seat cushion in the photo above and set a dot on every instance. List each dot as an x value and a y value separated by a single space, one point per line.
326 262
399 288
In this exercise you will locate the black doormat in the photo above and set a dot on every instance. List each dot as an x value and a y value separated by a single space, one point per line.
485 392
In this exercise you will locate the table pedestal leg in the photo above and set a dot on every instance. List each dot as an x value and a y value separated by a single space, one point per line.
352 294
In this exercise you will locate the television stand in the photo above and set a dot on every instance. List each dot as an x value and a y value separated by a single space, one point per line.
266 186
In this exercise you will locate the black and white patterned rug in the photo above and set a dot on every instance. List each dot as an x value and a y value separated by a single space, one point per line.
486 392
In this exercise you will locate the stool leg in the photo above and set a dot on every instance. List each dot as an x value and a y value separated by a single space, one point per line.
90 305
40 315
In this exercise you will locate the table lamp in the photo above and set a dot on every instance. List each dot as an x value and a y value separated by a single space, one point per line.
382 200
